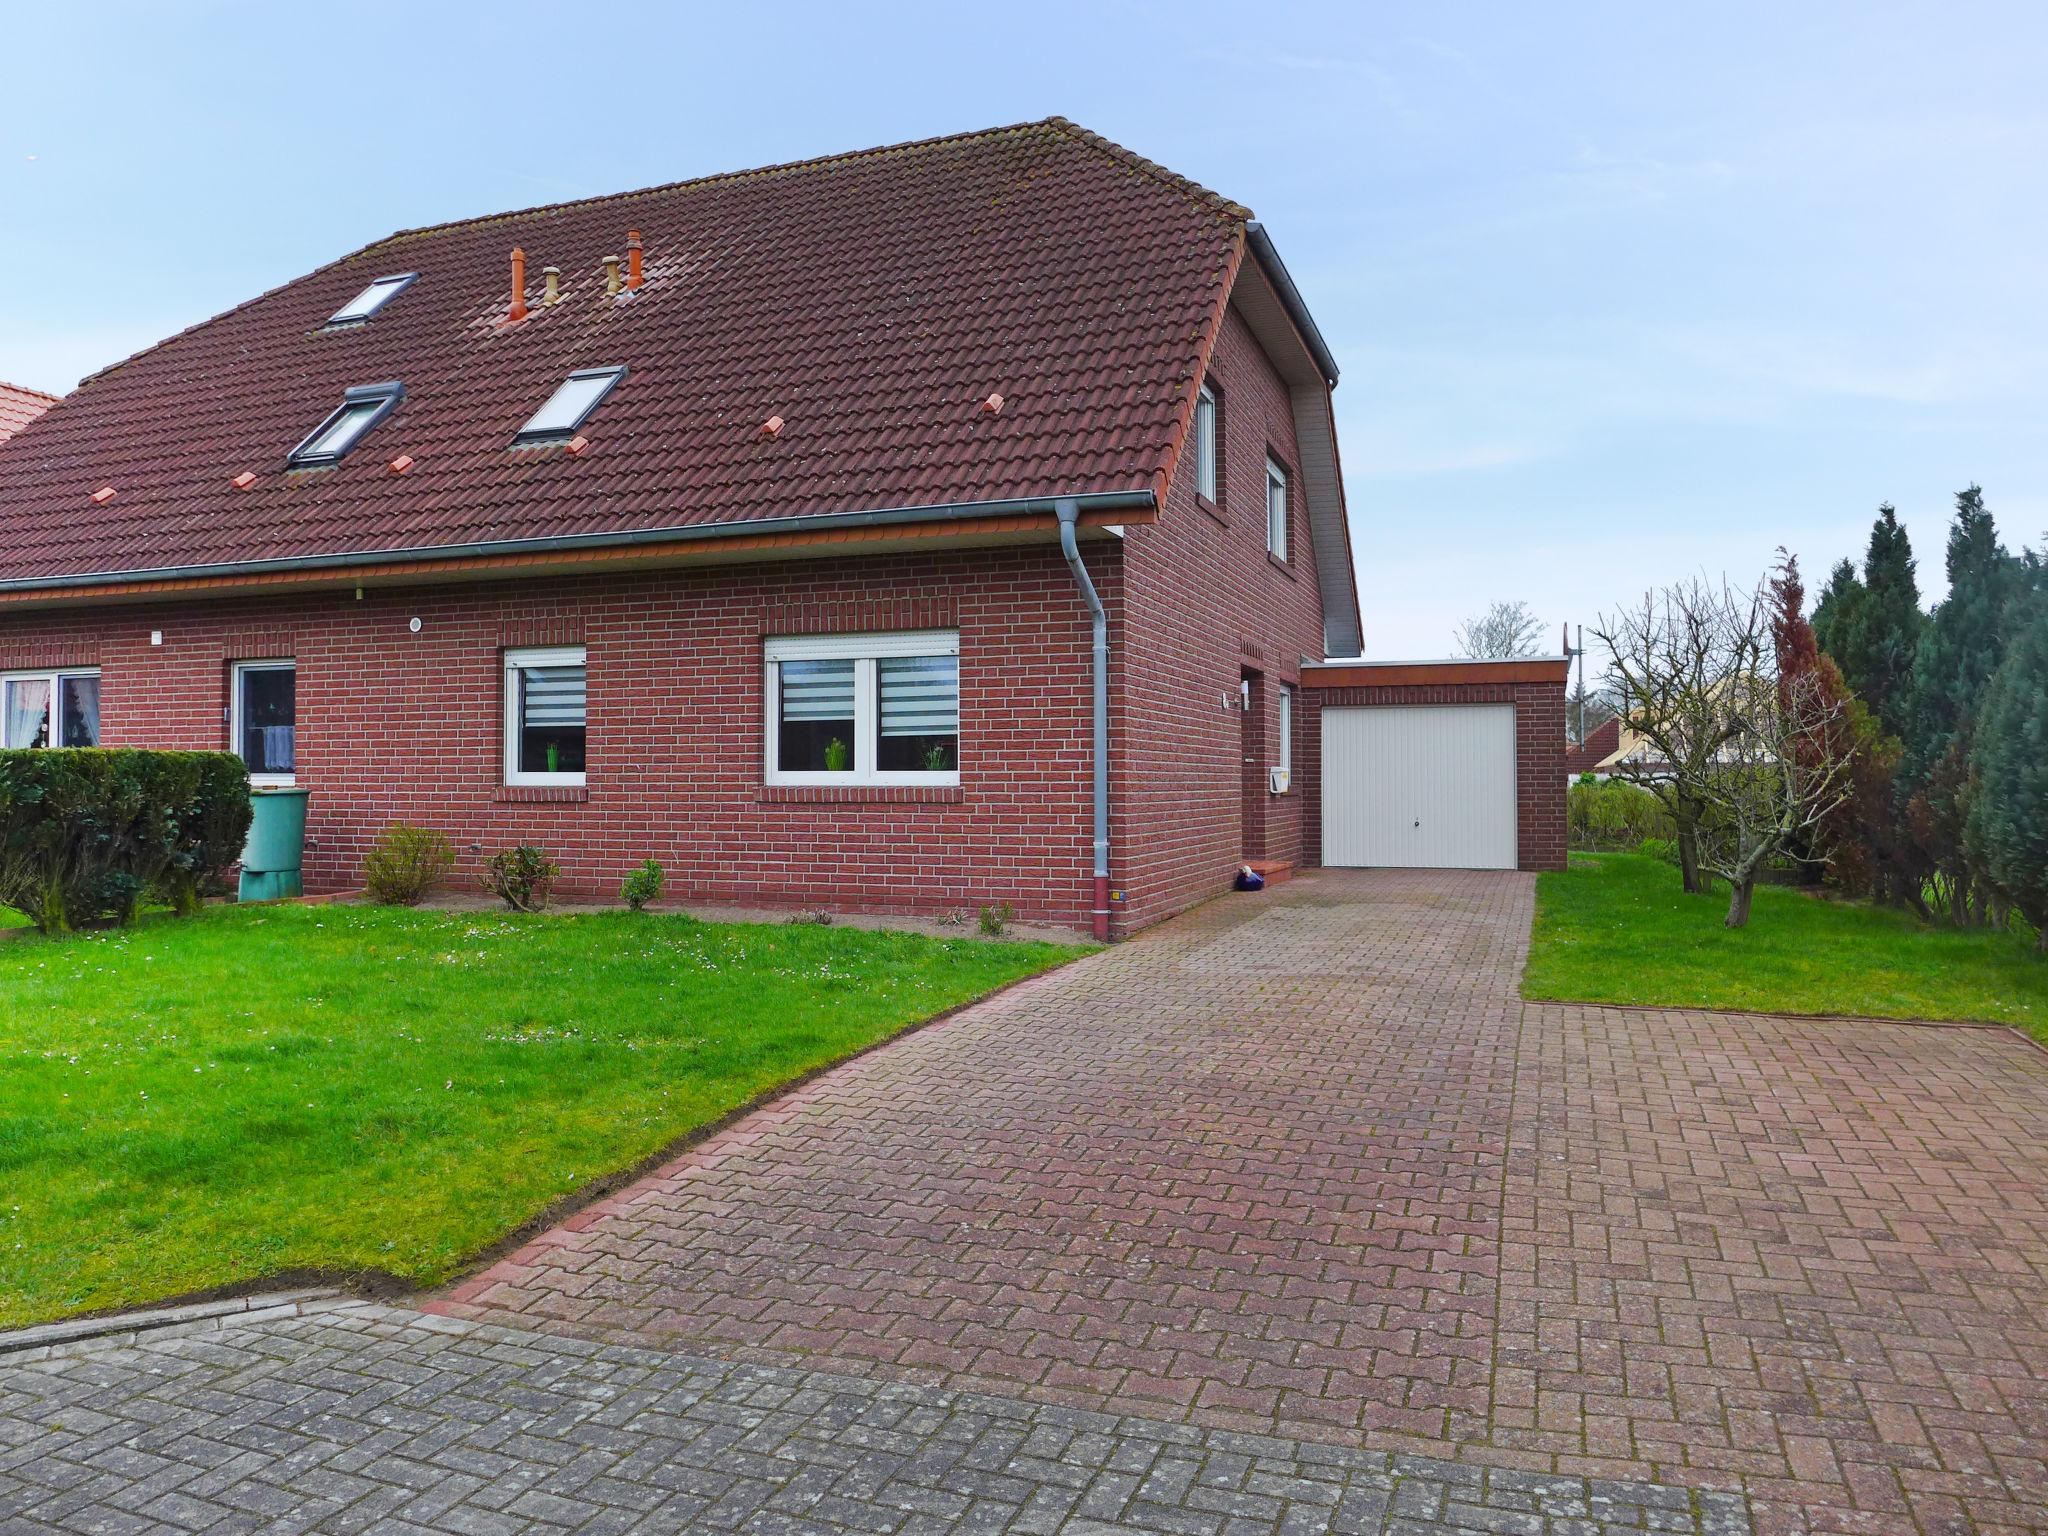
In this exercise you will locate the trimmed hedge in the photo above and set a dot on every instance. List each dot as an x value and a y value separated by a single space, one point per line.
87 832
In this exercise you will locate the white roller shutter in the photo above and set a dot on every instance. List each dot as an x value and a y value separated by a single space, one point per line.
1419 786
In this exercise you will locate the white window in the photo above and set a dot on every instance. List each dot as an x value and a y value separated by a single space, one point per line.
1287 729
1205 442
1276 510
361 408
570 405
373 298
544 715
263 715
28 720
864 709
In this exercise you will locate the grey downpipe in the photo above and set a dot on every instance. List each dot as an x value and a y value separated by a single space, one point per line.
1069 513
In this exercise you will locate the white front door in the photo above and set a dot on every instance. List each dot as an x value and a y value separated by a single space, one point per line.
1428 786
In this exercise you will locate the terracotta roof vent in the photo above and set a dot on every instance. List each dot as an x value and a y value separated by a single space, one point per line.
401 464
576 444
991 405
633 275
772 427
103 495
243 481
517 312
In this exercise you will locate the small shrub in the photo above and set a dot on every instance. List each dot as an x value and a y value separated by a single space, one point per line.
815 917
521 877
405 863
642 885
1614 814
996 918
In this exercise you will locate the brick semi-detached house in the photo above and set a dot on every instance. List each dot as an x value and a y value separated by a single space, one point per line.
753 524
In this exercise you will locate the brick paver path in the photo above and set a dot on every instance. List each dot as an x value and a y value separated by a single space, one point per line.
370 1419
1303 1165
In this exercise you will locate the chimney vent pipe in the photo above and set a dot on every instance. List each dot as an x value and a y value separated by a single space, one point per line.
633 277
518 310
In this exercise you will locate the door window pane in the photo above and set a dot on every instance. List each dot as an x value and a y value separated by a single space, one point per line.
551 718
816 732
919 713
268 711
27 721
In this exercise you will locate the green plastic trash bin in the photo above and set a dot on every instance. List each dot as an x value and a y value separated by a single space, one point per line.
276 846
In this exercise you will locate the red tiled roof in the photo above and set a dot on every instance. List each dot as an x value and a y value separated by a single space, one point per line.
870 300
1602 744
19 407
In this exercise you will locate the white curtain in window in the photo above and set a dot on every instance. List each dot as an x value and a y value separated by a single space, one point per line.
28 709
553 696
920 695
817 690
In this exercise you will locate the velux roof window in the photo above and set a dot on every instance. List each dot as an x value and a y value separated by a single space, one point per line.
361 408
570 405
372 298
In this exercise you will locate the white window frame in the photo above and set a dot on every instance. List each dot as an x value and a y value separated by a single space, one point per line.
379 292
540 429
1276 516
541 656
1287 731
863 651
271 664
1206 422
52 676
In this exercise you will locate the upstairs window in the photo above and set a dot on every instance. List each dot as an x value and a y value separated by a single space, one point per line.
1205 443
570 405
264 713
545 715
361 408
864 709
1276 510
372 299
27 715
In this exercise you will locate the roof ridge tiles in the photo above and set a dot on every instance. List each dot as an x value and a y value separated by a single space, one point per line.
1194 190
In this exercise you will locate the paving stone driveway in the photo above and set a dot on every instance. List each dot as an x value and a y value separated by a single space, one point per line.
1304 1165
1286 1217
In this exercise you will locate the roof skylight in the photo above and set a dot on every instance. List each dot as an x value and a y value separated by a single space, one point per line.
372 298
570 405
361 408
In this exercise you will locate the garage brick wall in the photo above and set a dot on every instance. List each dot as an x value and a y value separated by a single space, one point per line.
1539 756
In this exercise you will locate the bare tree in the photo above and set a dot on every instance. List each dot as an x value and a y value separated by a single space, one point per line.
1504 631
1744 760
1665 658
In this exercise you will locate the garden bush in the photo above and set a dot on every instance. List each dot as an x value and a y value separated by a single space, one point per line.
1614 815
521 877
405 863
87 832
642 885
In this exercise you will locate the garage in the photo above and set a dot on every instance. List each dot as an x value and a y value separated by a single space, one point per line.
1419 786
1434 764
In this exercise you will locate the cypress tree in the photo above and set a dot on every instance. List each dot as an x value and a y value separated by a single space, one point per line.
1959 649
1889 621
1837 614
2007 827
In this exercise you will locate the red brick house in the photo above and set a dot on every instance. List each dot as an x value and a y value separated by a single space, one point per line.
19 407
730 523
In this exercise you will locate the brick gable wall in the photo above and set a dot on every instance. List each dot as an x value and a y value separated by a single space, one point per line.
1207 606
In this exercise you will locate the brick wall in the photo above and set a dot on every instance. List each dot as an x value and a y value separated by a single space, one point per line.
1539 756
1207 606
395 725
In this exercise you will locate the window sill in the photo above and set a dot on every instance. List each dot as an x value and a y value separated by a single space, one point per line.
542 794
1284 567
1211 508
845 794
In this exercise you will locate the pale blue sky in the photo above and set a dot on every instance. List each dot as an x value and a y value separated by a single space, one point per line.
1620 291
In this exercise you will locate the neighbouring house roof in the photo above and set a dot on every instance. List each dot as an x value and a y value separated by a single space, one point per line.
19 407
874 302
1592 754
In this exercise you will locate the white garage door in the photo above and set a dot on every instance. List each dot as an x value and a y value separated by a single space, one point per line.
1425 786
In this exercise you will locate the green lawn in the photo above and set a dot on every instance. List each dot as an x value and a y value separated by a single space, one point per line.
256 1090
1616 928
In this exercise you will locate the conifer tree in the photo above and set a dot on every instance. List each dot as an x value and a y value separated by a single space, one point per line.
2007 827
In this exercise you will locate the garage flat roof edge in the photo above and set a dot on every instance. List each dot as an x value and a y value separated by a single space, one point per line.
1356 672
